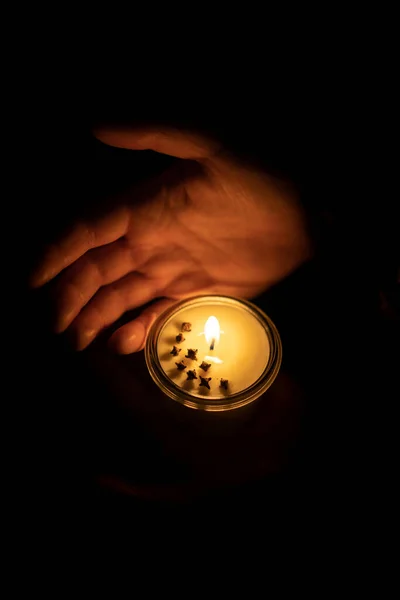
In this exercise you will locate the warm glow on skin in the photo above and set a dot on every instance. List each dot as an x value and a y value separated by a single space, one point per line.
156 242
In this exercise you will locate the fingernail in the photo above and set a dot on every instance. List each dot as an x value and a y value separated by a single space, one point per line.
61 323
85 338
133 342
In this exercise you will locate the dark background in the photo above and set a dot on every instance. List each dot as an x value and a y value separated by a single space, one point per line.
88 439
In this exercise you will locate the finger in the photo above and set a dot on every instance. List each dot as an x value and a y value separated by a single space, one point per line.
96 268
110 303
132 336
82 237
174 142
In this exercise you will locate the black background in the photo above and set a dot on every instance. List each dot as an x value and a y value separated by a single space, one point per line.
339 347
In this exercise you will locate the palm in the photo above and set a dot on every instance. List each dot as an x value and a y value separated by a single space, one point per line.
212 226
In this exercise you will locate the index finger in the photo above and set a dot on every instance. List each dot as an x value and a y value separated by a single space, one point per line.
166 140
78 241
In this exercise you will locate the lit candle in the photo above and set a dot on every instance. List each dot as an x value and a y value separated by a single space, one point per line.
229 357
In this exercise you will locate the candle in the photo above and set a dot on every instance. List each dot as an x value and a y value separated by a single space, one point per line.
213 352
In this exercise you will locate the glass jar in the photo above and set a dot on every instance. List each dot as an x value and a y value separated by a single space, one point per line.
247 359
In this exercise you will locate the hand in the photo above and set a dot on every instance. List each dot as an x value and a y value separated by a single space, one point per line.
210 225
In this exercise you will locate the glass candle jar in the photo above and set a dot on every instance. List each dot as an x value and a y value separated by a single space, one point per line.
213 353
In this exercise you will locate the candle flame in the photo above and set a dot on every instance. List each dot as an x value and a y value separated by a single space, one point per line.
212 331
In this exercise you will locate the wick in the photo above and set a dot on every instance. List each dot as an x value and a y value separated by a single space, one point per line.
212 344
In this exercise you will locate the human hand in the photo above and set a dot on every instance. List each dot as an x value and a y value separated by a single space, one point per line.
210 225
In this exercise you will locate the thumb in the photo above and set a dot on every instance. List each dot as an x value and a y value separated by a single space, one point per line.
166 140
132 336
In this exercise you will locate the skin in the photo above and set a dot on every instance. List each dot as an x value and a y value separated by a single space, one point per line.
209 225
